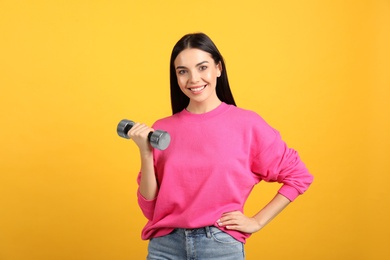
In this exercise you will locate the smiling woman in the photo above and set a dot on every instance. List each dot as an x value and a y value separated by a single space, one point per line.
197 76
197 55
318 71
201 166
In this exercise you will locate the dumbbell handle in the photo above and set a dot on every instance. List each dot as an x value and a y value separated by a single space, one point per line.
158 139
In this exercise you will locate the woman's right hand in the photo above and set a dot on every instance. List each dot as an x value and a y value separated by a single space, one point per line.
139 134
148 183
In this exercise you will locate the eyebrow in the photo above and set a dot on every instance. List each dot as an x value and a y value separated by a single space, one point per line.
197 65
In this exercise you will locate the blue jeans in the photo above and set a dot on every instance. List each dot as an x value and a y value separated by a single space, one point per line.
196 244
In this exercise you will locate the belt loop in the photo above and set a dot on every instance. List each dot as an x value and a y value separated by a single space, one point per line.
208 232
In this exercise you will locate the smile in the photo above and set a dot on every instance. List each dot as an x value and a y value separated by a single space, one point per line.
197 89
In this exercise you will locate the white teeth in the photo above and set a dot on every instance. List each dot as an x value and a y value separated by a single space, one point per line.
197 89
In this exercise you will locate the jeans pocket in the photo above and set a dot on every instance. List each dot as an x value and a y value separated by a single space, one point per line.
222 237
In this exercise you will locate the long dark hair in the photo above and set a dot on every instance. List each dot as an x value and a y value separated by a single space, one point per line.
200 41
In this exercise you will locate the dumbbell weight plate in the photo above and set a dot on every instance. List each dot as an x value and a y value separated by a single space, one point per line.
124 127
159 139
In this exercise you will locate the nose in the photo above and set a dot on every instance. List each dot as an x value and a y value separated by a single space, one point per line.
194 77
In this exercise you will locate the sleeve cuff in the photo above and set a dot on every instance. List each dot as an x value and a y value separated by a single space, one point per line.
147 206
289 192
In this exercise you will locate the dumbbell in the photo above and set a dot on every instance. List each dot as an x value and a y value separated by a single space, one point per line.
158 139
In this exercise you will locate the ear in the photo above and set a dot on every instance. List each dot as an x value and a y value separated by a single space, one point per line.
219 68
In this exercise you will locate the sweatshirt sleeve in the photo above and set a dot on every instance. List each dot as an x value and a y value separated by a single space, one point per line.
274 161
147 206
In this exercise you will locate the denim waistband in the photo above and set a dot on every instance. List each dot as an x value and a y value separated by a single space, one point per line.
196 231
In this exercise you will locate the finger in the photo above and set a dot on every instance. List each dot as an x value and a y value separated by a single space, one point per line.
138 126
225 219
231 224
228 221
232 213
233 227
133 130
138 129
230 216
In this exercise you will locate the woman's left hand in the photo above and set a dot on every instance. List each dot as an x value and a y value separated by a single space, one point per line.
235 220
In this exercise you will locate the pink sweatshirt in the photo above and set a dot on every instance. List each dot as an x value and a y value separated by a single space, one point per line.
211 165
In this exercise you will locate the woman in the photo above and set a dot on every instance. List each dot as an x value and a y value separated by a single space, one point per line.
193 193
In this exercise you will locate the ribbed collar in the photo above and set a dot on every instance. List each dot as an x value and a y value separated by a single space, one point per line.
186 115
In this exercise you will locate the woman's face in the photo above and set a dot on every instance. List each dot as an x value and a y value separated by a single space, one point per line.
197 75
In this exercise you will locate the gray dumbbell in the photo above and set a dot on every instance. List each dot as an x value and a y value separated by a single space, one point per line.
158 139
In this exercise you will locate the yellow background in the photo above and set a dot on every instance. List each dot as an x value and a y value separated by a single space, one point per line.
318 71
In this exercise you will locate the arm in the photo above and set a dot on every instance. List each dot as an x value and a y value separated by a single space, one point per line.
148 183
236 220
272 161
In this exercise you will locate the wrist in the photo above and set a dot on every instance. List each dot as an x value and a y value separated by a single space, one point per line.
146 152
260 221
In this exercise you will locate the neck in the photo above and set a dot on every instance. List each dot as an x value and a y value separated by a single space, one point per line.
200 108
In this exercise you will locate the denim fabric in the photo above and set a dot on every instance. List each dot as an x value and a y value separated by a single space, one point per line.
196 244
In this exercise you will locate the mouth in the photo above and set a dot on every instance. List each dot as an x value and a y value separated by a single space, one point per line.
197 89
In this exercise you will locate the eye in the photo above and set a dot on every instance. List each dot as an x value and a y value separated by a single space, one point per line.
202 68
181 72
